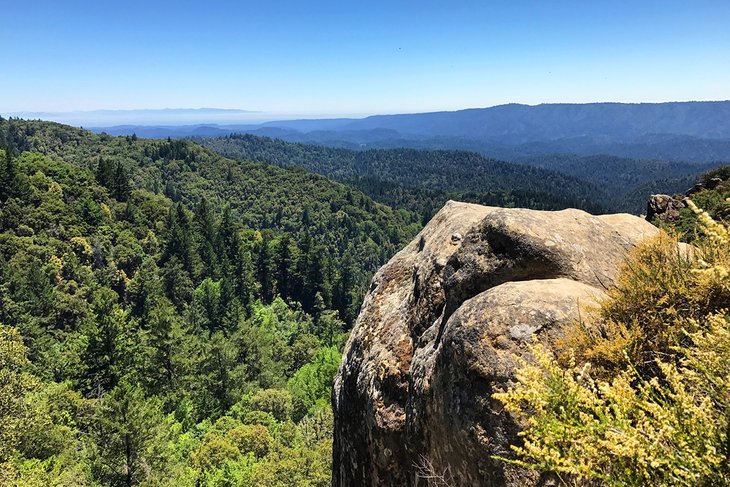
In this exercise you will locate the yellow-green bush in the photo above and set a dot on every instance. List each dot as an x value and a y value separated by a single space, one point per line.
642 396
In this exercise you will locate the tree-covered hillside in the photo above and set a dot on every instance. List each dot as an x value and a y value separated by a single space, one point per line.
171 317
410 178
323 219
627 183
421 180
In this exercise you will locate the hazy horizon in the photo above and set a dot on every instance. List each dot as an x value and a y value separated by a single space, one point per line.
170 116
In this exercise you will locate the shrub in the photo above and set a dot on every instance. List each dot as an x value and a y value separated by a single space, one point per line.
653 410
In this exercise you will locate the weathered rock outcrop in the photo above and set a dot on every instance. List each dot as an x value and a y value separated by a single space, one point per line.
439 331
664 207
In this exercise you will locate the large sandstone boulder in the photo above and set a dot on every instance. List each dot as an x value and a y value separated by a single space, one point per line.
439 331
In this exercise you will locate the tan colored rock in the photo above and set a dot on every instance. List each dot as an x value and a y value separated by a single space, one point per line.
438 329
452 381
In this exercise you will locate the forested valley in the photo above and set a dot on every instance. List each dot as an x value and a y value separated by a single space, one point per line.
172 317
422 180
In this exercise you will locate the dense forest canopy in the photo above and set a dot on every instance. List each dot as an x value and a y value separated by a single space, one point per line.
169 316
422 180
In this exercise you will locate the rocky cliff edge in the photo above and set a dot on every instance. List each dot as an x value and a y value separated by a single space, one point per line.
439 331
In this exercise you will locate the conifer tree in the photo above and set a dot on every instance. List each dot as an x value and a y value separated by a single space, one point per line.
120 183
105 174
284 266
264 264
206 234
129 430
8 177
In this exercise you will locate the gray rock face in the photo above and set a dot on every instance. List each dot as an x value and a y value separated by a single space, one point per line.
439 331
665 207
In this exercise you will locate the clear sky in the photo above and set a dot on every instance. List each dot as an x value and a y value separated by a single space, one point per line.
346 57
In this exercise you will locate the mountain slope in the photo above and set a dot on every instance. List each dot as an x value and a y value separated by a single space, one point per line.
139 345
316 212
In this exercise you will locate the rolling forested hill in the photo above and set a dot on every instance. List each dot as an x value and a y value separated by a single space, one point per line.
627 183
421 180
169 316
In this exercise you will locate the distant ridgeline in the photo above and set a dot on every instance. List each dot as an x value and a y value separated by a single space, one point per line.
169 314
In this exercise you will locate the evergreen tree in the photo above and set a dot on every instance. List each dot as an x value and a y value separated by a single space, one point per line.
206 235
163 340
130 433
120 183
179 239
284 266
207 300
242 275
8 176
106 349
264 267
105 174
144 288
342 294
177 283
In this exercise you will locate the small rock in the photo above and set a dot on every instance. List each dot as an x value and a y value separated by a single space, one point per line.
713 183
663 207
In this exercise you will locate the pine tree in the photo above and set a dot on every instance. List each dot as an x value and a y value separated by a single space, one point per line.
206 235
8 177
120 184
130 434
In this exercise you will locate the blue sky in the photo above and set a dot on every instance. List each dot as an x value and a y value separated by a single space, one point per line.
356 58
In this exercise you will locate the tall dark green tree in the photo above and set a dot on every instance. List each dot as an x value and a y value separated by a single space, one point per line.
180 239
105 173
121 188
129 432
8 176
284 266
206 236
106 352
163 340
264 267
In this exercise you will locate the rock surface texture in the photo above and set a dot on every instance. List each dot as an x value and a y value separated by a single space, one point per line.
663 207
439 331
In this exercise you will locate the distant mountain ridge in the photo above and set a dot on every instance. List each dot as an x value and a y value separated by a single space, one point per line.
524 123
686 131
